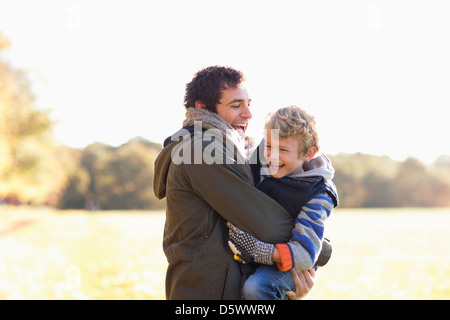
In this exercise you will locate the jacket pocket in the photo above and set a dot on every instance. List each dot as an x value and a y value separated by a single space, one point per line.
232 282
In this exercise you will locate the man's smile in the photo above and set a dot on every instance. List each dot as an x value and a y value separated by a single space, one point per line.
240 128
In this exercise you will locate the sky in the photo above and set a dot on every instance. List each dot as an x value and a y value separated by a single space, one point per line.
375 74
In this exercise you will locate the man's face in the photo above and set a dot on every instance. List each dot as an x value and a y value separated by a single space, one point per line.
234 108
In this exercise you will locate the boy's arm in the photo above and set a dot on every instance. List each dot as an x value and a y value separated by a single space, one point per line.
301 251
304 247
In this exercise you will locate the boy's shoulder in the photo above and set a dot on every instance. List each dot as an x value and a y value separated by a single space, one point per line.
332 191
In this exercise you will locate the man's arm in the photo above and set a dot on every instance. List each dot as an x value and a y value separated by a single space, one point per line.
225 188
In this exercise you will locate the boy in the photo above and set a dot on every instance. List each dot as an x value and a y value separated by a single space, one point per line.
291 142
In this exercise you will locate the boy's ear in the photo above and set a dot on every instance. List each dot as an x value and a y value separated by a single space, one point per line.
199 105
310 154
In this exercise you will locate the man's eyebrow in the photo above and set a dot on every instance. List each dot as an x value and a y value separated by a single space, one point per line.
237 100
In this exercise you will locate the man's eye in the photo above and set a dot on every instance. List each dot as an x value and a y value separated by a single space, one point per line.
235 106
268 147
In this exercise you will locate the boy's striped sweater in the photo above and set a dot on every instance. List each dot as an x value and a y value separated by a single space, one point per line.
302 251
311 202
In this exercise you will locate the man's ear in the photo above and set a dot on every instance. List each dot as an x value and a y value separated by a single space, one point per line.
199 105
310 154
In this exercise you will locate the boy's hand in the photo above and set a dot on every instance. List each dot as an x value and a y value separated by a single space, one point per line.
239 254
247 248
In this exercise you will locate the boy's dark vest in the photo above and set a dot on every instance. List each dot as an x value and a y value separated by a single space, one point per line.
293 193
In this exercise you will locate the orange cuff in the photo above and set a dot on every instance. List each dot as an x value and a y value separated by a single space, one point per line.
286 257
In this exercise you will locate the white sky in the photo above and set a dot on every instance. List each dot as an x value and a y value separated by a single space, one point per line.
376 74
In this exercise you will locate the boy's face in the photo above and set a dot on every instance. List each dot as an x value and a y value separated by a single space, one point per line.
234 108
282 156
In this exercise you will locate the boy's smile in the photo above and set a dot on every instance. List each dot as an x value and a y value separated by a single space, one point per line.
282 156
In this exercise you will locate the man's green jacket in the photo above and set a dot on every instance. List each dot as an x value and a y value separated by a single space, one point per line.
200 198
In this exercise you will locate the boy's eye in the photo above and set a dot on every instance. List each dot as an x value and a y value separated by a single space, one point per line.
268 147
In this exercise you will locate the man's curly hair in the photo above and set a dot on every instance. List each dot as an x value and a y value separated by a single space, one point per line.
208 84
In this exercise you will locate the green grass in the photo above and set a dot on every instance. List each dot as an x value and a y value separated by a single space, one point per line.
387 254
80 255
378 254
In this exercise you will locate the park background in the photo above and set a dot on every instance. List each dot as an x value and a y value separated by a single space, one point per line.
88 91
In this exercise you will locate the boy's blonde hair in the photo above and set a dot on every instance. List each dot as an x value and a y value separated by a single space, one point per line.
294 122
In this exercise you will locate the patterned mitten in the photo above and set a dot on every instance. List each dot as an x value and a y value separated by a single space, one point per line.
248 248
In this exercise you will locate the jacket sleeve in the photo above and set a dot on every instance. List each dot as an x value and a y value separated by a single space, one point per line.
226 190
305 244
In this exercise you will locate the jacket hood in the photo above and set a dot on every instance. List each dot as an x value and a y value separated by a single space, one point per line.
320 166
161 169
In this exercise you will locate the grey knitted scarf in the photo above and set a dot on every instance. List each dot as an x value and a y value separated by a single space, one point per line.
211 120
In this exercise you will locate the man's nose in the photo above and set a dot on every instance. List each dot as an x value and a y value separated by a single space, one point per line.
246 113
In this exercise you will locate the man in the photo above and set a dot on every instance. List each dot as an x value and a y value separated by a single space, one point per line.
202 195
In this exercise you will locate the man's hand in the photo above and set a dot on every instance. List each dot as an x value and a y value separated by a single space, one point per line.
304 282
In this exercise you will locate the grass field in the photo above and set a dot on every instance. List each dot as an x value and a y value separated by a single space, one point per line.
378 254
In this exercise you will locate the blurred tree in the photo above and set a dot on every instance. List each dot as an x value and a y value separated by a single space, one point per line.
73 195
441 173
363 180
418 185
114 178
412 184
379 191
373 181
126 180
29 168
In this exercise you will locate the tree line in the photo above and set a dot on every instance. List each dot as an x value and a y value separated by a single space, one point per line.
36 169
368 181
